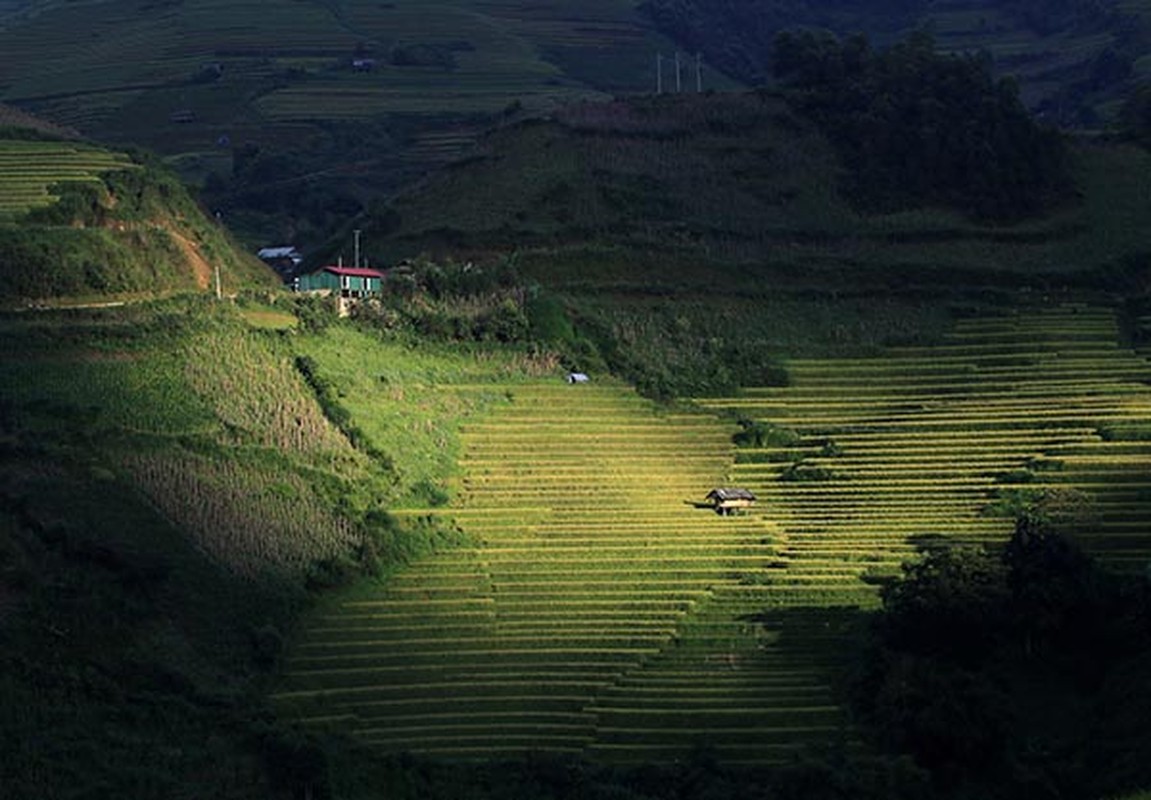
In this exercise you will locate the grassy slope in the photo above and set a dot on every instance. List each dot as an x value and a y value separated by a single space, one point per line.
83 222
409 399
168 484
30 169
587 567
738 179
701 233
133 632
208 432
176 402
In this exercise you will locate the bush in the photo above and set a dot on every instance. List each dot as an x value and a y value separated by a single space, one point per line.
548 321
427 492
332 573
315 313
805 473
391 542
267 646
756 433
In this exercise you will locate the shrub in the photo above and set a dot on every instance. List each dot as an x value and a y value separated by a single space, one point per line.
1015 476
331 573
391 542
756 433
548 323
803 473
314 312
267 645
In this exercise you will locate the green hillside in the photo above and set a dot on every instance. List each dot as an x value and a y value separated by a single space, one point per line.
156 513
83 222
593 607
30 170
529 568
696 240
170 492
216 86
587 565
647 191
263 106
251 549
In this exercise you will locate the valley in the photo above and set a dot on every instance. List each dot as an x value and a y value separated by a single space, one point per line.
255 542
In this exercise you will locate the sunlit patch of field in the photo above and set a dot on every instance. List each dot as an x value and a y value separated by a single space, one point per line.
597 610
594 596
933 441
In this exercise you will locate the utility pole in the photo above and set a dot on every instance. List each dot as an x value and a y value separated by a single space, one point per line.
356 257
678 84
698 74
219 294
659 73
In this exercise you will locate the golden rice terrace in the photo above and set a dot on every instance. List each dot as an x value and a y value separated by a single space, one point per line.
599 611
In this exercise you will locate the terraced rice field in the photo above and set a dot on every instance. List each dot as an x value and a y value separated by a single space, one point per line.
29 169
921 442
598 611
963 26
121 67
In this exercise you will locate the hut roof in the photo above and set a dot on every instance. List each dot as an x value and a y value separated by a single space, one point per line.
731 494
355 272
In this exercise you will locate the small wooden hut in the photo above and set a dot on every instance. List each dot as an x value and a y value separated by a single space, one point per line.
728 501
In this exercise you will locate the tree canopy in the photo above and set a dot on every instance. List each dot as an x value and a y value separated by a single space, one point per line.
1013 673
916 127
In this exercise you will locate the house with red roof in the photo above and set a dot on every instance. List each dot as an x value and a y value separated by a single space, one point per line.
341 281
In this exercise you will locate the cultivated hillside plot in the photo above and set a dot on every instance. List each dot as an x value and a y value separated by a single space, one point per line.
952 441
598 612
30 169
180 75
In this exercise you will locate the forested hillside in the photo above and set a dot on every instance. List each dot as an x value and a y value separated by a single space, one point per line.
918 128
1072 58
